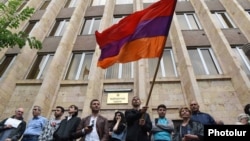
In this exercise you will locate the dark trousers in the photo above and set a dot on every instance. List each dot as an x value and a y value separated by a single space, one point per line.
30 138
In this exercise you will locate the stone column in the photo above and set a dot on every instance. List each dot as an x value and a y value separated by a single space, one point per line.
96 75
240 16
184 66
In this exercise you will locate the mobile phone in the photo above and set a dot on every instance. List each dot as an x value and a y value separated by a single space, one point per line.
90 126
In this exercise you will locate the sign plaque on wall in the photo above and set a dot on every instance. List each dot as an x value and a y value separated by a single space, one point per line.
117 98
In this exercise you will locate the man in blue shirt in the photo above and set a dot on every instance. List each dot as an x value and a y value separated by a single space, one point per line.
162 127
199 116
35 125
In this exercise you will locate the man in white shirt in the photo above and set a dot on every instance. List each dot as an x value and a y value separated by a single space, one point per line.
93 127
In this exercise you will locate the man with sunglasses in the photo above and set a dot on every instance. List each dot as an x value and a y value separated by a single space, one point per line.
11 129
197 115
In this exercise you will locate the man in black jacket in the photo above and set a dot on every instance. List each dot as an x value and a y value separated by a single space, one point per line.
11 129
139 124
68 125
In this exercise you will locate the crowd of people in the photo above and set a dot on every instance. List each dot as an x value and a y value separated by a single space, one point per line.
132 125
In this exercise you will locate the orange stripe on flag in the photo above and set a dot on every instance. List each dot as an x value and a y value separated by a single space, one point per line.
140 48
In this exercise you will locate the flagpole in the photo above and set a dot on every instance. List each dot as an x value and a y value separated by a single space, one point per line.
153 82
155 74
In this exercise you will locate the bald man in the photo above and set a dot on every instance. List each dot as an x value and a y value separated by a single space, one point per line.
12 129
197 115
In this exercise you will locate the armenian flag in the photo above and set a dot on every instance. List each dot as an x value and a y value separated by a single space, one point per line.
141 34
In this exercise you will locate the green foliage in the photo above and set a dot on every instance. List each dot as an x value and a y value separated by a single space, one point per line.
10 18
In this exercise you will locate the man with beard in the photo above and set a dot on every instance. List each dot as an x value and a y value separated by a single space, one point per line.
93 127
68 125
52 125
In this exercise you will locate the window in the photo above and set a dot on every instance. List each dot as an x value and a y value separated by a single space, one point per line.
223 20
124 1
188 21
30 26
120 71
79 66
149 1
40 66
116 19
167 66
5 63
204 61
98 2
90 25
45 5
243 60
22 5
70 3
59 27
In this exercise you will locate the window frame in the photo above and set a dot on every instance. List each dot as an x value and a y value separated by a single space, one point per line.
80 65
70 3
20 8
92 22
219 20
6 68
59 27
43 65
149 1
118 2
189 25
163 68
243 58
30 26
98 2
120 71
45 5
204 64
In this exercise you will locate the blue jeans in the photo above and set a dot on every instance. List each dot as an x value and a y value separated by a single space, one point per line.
30 138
